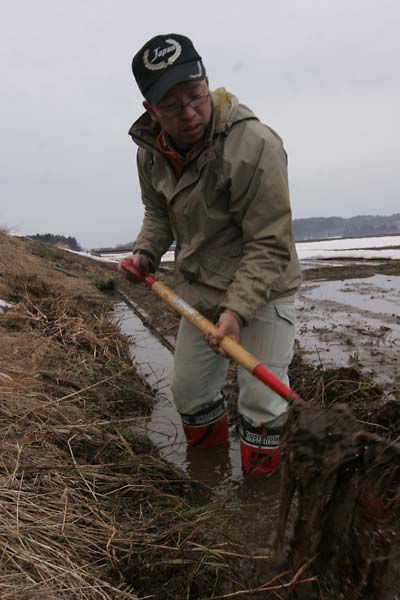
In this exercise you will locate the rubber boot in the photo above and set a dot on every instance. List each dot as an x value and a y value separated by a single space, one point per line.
208 427
260 449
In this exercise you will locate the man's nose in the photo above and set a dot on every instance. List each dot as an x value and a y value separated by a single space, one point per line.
187 111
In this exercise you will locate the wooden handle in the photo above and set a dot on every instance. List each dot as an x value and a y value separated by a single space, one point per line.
232 348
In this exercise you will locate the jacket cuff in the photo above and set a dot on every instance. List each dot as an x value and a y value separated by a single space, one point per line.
149 256
235 314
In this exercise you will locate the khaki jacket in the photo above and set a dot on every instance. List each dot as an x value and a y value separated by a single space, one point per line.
229 212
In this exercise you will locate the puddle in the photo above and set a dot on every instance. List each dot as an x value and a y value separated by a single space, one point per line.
382 290
313 263
154 362
355 322
256 502
219 467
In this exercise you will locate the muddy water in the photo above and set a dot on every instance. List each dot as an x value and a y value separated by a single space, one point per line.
154 362
219 467
378 294
352 322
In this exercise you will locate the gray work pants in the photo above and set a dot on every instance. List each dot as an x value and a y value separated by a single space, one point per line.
199 373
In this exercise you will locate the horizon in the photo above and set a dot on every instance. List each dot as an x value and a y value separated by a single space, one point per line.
323 75
121 245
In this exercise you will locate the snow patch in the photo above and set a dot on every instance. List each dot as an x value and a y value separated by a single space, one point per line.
333 254
4 304
334 249
350 243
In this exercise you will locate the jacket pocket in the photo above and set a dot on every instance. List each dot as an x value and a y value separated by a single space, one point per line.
217 272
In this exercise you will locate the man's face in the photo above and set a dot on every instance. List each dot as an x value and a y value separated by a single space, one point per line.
185 123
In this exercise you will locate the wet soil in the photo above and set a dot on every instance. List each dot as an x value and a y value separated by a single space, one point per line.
353 322
347 352
347 268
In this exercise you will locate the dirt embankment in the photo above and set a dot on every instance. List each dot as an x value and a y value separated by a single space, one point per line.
88 509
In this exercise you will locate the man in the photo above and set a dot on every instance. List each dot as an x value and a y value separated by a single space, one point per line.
214 179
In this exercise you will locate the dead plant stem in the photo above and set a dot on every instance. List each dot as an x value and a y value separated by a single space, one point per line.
78 469
90 387
267 587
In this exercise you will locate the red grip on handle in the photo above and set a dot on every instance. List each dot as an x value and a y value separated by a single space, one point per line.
128 265
274 383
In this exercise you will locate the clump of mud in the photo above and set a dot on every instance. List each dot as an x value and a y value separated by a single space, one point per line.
341 492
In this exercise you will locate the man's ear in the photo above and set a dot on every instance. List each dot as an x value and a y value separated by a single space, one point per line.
150 110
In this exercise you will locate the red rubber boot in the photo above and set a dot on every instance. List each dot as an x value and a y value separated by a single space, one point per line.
260 449
208 427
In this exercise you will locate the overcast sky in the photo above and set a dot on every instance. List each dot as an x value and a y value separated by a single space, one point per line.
325 74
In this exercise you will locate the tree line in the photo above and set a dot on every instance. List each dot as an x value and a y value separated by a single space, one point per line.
326 227
58 240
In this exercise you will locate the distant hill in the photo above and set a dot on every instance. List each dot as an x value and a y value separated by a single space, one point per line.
322 227
327 227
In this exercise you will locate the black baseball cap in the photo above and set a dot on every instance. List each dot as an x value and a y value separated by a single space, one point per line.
164 61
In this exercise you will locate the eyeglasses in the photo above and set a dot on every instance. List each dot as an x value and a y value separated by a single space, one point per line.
175 111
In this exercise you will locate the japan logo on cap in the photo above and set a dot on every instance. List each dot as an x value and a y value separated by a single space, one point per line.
162 57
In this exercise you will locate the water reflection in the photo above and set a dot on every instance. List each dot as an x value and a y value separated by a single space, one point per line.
210 465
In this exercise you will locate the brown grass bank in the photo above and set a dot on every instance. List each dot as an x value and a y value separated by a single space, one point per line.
87 509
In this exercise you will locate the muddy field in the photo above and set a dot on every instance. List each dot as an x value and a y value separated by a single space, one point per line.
348 315
165 522
346 360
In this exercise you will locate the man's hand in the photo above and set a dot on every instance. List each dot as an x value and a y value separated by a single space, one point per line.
227 325
140 261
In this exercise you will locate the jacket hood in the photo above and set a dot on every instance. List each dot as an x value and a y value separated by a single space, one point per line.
226 112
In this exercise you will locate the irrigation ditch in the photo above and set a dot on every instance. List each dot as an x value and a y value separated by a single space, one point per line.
101 499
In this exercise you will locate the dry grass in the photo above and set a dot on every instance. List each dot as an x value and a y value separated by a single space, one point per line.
87 510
